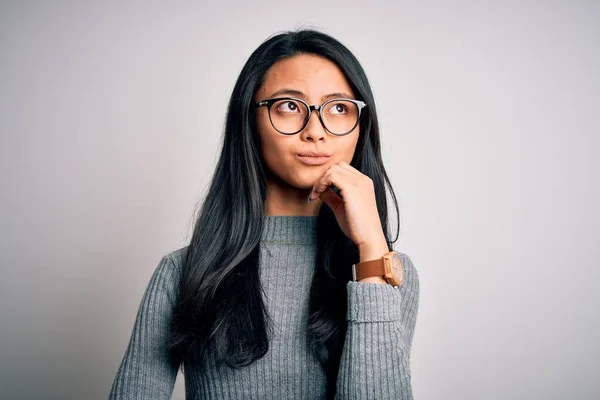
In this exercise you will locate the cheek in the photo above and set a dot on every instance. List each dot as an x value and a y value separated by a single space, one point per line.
349 149
273 146
265 133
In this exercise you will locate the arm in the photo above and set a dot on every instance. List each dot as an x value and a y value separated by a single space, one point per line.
375 362
146 371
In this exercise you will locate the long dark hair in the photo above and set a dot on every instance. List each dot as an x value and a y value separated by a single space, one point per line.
220 302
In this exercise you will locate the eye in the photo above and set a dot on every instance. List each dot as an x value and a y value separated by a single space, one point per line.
337 108
288 106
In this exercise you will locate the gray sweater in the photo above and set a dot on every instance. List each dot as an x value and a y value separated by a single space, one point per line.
375 361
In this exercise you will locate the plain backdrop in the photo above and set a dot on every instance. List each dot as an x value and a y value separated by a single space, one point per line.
111 115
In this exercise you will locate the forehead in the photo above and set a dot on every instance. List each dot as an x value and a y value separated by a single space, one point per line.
313 75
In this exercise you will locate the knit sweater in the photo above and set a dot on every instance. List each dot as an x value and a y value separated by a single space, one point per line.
375 361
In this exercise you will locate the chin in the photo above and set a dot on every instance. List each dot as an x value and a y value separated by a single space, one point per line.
303 182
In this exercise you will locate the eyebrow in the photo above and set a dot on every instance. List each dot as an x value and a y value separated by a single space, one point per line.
298 93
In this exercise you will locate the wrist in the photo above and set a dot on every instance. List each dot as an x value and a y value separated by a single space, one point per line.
373 251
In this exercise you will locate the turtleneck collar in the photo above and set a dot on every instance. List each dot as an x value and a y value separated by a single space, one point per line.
292 229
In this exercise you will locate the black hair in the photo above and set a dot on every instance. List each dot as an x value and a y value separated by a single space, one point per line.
220 304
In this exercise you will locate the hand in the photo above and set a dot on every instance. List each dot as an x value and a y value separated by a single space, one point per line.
355 209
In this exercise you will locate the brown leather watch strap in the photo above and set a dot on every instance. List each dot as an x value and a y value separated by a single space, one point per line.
367 269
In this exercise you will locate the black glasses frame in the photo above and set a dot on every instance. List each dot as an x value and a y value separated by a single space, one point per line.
269 102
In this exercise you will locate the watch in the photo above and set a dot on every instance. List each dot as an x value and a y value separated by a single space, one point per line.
389 267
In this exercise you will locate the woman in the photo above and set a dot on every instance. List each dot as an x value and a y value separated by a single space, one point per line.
275 297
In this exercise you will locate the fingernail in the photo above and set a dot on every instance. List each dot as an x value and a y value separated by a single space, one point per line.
308 200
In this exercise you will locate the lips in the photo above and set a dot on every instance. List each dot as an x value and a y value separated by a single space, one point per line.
313 154
314 158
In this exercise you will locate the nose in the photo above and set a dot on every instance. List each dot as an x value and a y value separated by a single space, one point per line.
314 129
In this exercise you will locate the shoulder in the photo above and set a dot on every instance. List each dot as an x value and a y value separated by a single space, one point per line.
177 257
171 264
167 276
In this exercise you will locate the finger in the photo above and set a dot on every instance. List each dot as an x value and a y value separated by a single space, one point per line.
347 167
335 176
357 177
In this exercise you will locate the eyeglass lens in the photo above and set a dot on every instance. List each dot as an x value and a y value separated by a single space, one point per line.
289 116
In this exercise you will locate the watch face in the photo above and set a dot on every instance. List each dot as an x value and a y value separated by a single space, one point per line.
397 266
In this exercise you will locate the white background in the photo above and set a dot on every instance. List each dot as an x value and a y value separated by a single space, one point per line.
111 117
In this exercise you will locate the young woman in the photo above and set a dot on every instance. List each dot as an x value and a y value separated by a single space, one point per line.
289 288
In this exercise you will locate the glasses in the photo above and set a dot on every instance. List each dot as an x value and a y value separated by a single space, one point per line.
290 115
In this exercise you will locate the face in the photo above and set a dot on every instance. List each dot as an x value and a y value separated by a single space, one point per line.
311 78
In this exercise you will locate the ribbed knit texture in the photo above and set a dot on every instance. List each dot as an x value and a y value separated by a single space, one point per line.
375 361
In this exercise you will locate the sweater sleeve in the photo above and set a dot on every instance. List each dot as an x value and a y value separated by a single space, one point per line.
146 371
375 361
